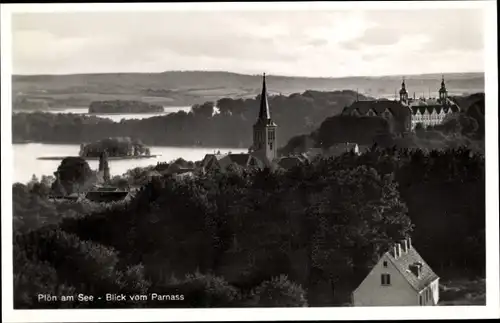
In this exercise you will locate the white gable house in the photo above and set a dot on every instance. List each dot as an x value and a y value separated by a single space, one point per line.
400 278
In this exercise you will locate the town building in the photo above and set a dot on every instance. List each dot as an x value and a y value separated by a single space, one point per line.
340 149
264 150
400 278
222 162
404 114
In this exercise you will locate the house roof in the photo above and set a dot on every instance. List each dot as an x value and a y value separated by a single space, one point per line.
403 263
243 160
210 157
104 196
339 149
289 162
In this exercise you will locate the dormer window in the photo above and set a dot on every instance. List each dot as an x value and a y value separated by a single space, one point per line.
416 268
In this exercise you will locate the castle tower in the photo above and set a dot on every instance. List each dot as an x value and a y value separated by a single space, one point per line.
103 166
403 94
264 131
443 93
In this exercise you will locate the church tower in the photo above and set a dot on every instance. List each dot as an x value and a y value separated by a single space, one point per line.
103 166
443 93
265 145
403 94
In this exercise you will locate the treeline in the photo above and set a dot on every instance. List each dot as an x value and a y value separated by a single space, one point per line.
303 237
115 147
231 127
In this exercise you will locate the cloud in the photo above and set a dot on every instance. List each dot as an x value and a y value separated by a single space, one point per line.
312 43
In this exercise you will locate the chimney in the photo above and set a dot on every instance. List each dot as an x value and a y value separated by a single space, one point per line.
408 242
404 245
398 246
395 252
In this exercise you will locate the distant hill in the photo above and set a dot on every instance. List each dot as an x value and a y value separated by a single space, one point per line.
196 87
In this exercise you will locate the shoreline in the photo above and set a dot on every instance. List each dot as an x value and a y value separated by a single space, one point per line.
97 158
122 113
22 142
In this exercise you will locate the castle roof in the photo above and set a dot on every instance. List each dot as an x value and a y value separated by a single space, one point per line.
430 108
397 109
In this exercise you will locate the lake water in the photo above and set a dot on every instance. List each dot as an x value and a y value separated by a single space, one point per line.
26 163
119 117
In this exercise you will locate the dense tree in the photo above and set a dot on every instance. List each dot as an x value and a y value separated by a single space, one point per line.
323 224
115 147
231 127
74 174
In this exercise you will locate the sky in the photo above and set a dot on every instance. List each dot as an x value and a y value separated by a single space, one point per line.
293 43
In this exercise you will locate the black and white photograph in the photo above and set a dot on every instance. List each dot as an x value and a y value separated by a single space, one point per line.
247 156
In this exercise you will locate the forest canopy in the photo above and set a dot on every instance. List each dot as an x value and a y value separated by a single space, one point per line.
307 235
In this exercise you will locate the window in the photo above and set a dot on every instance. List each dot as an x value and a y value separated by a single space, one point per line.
385 264
385 279
420 299
271 145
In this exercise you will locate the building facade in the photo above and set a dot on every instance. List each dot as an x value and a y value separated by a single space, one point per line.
400 278
406 113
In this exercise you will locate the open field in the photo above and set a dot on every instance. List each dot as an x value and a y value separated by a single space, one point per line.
188 88
463 292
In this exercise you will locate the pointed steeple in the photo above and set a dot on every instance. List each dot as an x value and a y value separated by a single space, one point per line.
403 94
443 93
264 114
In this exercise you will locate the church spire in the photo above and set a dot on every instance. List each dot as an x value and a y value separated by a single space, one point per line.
265 145
264 114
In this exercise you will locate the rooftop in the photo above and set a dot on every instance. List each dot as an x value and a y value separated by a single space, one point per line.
403 263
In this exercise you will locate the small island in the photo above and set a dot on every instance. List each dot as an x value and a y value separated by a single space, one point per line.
122 107
117 148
